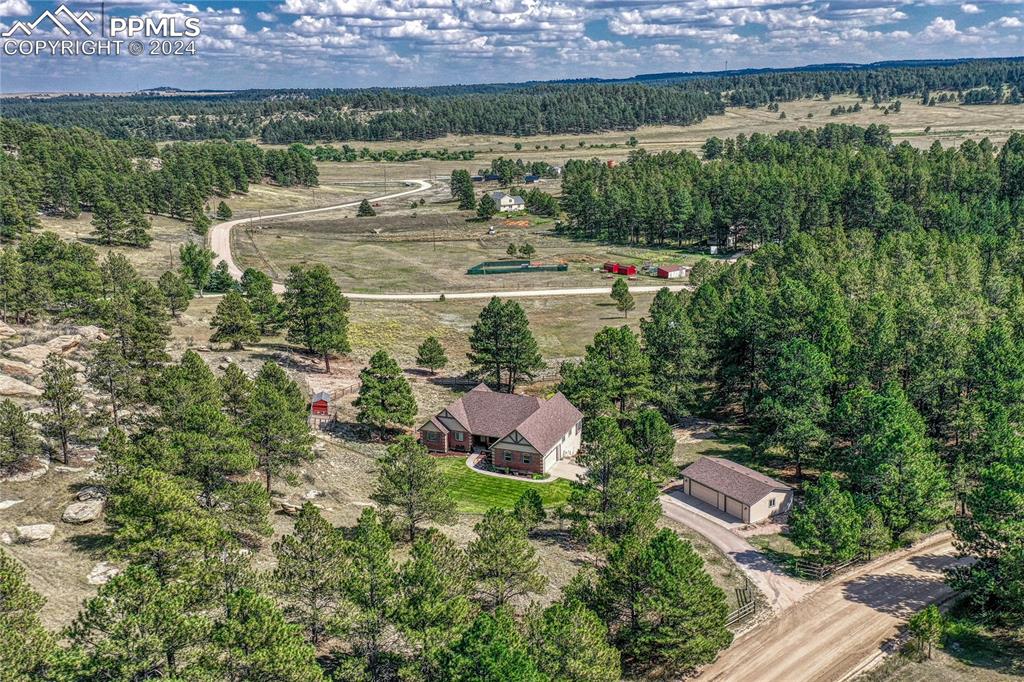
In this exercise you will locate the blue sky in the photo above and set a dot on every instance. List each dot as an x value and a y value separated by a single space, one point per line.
355 43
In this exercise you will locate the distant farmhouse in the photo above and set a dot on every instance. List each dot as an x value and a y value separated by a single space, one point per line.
508 202
524 434
739 491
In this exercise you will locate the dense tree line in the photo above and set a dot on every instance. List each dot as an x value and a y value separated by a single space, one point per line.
285 116
65 171
763 189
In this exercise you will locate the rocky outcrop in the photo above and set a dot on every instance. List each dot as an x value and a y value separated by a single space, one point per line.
35 354
91 492
13 388
38 532
82 512
19 370
101 573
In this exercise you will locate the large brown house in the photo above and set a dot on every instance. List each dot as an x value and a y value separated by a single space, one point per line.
518 432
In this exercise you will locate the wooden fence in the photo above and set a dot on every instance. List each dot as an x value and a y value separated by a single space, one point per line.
747 604
813 570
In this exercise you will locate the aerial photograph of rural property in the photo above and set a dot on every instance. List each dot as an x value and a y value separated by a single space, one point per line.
512 340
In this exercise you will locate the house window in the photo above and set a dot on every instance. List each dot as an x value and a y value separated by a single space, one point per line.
771 502
526 459
508 456
432 435
458 435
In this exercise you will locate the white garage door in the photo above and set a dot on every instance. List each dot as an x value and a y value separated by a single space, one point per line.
704 494
734 508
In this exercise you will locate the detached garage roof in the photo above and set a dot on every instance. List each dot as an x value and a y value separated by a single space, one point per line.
734 480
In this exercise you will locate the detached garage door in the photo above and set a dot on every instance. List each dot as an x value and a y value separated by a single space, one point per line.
734 508
704 494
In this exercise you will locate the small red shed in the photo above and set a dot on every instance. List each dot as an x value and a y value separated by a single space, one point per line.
627 269
611 267
320 404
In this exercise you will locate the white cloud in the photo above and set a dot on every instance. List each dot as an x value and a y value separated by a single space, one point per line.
970 9
266 17
14 8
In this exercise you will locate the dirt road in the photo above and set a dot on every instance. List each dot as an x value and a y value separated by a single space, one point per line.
781 590
220 234
842 625
220 243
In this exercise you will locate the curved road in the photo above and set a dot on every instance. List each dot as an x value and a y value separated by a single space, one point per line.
220 243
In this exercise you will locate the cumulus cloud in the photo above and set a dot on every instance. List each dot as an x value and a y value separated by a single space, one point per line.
970 9
14 8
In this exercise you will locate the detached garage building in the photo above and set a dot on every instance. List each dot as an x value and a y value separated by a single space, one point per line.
737 490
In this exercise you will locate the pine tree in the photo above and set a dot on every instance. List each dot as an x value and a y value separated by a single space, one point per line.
925 628
462 189
673 351
317 312
662 609
25 645
236 389
652 440
529 509
223 211
311 574
136 229
62 398
568 642
233 322
278 432
827 522
486 207
503 562
110 373
623 299
430 355
492 650
138 627
107 222
177 291
365 209
196 265
374 591
435 609
411 486
255 642
502 347
258 290
18 439
384 395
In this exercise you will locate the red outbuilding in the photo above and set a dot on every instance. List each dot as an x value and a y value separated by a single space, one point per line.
320 405
627 270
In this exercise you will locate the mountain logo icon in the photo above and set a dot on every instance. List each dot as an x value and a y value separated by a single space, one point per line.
55 17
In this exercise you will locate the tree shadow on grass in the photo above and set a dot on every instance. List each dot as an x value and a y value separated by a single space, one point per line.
979 648
95 545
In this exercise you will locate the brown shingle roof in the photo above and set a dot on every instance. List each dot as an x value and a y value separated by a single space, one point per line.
542 422
732 479
547 425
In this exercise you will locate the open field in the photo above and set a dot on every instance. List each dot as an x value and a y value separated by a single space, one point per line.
475 493
921 125
409 251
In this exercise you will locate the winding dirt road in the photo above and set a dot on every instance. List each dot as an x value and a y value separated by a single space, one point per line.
220 243
842 626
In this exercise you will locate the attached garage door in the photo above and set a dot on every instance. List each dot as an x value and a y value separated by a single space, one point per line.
704 494
733 508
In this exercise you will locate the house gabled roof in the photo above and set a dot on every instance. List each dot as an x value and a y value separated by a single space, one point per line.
320 395
732 479
495 415
545 427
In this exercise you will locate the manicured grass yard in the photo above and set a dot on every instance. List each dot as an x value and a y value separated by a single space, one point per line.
475 493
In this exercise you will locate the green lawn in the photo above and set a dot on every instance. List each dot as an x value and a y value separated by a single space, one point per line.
475 493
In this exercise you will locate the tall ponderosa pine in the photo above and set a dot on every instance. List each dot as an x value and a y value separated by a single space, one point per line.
492 650
373 590
569 642
317 312
25 645
827 523
385 397
177 292
62 397
18 438
110 373
462 189
233 322
276 425
311 574
652 440
412 487
672 349
502 348
503 562
258 290
623 299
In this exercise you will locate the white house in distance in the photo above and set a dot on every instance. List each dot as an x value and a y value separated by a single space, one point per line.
748 495
521 433
508 202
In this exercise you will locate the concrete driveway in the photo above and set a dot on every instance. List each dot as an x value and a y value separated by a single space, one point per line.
781 590
569 470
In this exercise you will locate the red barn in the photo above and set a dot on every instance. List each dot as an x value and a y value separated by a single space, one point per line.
627 270
611 267
320 405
